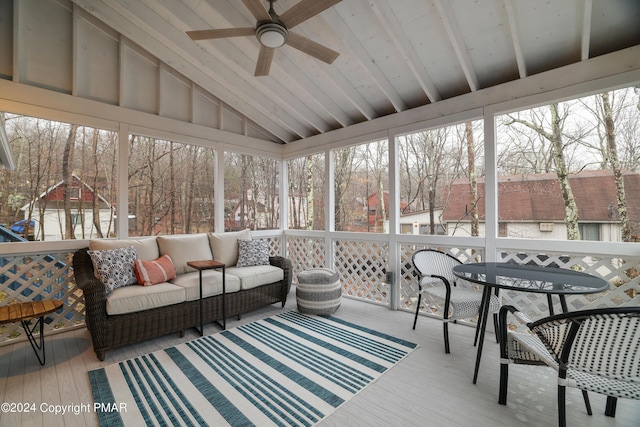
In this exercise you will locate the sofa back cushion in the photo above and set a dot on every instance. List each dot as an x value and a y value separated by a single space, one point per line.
146 248
225 245
183 248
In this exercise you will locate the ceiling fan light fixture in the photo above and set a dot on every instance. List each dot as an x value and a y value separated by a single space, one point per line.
271 34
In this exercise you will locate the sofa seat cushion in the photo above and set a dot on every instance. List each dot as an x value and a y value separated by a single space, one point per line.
146 247
183 248
131 299
252 277
211 284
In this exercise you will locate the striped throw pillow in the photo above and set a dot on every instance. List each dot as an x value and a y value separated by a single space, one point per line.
157 271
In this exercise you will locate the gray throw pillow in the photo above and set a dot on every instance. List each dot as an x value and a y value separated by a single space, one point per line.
252 252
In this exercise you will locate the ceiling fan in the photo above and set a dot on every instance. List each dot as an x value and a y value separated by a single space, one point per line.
272 31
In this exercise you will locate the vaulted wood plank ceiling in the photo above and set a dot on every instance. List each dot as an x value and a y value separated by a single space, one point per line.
394 54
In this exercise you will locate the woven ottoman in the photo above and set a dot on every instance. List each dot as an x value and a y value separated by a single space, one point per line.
319 291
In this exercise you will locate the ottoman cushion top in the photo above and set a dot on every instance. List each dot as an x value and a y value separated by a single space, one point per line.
318 276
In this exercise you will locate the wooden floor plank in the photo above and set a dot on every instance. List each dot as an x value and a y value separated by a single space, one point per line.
428 387
66 373
14 392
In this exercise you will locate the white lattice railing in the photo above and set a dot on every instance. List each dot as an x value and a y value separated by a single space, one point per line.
362 264
34 277
274 242
305 253
622 274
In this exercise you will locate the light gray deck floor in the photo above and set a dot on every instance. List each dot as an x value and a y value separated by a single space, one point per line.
428 388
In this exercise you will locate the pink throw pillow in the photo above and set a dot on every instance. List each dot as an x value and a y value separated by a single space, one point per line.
157 271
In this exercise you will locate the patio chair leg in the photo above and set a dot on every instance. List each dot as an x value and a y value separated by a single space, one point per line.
415 319
504 380
587 404
610 409
445 325
562 416
496 327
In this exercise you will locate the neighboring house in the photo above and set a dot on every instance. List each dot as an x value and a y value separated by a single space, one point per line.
52 218
531 206
420 222
255 214
378 213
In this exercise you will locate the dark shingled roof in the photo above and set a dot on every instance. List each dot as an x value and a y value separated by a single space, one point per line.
538 197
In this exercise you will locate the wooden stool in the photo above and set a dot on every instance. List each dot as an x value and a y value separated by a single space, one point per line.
25 312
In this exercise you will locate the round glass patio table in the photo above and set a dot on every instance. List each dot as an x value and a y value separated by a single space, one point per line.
525 278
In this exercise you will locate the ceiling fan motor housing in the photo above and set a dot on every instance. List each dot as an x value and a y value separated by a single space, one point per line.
271 34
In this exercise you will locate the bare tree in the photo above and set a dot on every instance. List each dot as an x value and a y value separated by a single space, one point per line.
473 182
67 160
95 203
343 168
612 150
310 195
612 155
610 109
555 137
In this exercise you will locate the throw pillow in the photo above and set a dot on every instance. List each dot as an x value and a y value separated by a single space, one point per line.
252 252
114 267
154 272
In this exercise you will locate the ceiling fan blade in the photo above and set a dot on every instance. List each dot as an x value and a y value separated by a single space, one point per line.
221 33
312 48
264 61
257 9
305 10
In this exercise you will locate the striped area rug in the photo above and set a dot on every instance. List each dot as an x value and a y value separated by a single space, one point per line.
287 370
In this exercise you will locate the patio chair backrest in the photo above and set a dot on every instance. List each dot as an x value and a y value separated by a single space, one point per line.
431 263
603 342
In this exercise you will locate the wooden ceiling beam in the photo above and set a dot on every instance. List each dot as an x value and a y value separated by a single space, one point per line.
351 41
586 29
515 38
457 41
390 23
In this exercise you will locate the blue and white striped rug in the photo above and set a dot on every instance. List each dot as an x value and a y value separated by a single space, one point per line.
287 370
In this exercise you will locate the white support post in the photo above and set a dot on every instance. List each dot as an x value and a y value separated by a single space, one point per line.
329 212
491 184
283 205
218 197
394 220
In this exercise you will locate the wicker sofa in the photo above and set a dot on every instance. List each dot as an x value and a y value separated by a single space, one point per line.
134 313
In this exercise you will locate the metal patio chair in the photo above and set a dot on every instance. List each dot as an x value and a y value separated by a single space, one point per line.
461 301
592 350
